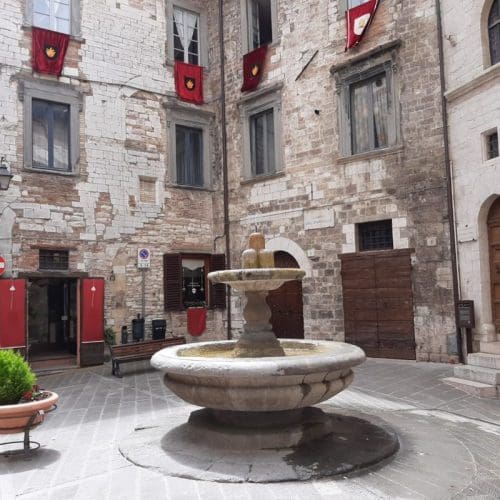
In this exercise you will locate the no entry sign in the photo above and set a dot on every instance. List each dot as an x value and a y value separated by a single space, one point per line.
3 265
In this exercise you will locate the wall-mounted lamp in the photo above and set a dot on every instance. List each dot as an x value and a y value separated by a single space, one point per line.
5 175
112 276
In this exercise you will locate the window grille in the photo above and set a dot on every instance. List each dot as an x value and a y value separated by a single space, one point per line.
492 145
54 260
375 235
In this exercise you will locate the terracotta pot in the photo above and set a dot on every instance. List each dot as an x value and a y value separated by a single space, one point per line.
15 418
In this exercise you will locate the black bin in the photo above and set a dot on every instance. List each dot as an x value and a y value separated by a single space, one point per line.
138 328
158 328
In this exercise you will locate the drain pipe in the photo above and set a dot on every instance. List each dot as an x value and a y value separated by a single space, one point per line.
449 181
224 159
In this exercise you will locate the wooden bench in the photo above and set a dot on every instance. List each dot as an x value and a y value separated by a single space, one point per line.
136 351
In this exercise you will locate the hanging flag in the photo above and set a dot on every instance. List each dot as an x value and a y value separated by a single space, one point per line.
357 21
253 65
189 82
196 320
48 51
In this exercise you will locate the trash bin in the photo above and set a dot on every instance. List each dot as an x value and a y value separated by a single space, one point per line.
158 328
138 328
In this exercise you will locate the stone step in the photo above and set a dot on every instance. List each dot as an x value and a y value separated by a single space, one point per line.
475 388
485 360
490 347
478 374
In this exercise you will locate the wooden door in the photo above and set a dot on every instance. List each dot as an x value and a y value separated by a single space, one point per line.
494 243
13 314
287 317
92 321
378 303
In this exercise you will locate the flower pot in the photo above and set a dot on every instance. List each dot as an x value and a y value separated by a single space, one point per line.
16 418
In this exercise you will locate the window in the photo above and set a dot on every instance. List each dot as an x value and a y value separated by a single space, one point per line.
367 91
186 284
51 126
494 32
375 235
262 150
260 23
55 260
369 109
186 31
189 156
491 145
62 16
261 117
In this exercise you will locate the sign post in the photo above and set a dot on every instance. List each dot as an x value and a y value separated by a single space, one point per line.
143 263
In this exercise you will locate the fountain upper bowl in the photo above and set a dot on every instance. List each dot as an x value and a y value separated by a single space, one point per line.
256 279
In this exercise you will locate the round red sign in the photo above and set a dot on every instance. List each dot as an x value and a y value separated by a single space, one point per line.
3 265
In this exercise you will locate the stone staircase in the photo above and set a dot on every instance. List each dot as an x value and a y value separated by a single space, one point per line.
481 376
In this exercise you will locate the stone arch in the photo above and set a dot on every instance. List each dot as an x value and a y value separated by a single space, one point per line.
289 246
485 39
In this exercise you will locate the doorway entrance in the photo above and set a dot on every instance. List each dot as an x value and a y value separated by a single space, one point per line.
494 247
52 322
287 318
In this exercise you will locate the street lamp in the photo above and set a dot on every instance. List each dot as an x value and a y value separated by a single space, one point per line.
5 175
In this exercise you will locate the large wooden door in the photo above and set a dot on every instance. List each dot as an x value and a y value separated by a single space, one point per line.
494 243
378 303
287 317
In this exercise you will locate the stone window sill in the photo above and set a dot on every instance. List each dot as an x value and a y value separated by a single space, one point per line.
28 168
368 155
190 188
262 178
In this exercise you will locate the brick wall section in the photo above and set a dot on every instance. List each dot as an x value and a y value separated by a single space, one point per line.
407 185
119 65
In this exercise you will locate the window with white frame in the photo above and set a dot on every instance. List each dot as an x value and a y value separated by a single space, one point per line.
51 126
186 36
259 23
261 117
494 32
62 16
491 144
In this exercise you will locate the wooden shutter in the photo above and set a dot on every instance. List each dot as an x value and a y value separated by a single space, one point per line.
172 281
218 291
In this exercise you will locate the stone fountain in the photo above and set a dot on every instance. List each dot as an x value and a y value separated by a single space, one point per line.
258 394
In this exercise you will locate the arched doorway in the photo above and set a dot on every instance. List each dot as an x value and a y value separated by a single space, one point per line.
287 318
494 248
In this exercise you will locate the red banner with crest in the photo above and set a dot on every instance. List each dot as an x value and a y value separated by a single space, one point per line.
48 51
253 65
189 82
357 21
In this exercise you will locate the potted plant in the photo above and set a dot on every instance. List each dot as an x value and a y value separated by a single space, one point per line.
22 404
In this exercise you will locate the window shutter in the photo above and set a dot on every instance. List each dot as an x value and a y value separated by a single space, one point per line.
218 291
172 281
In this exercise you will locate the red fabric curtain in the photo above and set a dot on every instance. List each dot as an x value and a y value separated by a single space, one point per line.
196 320
12 313
48 51
253 65
189 82
357 21
92 307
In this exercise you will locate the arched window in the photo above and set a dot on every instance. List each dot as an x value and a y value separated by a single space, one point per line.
494 32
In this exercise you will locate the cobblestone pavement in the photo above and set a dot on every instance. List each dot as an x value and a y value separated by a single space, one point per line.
450 441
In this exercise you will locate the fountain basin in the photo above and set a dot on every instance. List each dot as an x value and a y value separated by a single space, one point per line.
207 375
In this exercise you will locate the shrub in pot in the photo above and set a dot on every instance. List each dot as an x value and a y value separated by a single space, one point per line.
22 405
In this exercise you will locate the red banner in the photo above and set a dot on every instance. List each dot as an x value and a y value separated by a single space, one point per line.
196 320
253 65
92 307
12 313
189 82
357 21
48 51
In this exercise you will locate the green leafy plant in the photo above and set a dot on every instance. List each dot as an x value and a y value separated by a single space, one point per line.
16 377
109 336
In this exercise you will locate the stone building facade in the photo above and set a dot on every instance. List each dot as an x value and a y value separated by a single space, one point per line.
330 182
471 42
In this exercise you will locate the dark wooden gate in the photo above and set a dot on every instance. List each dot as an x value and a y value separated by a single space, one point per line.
494 243
378 303
285 302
